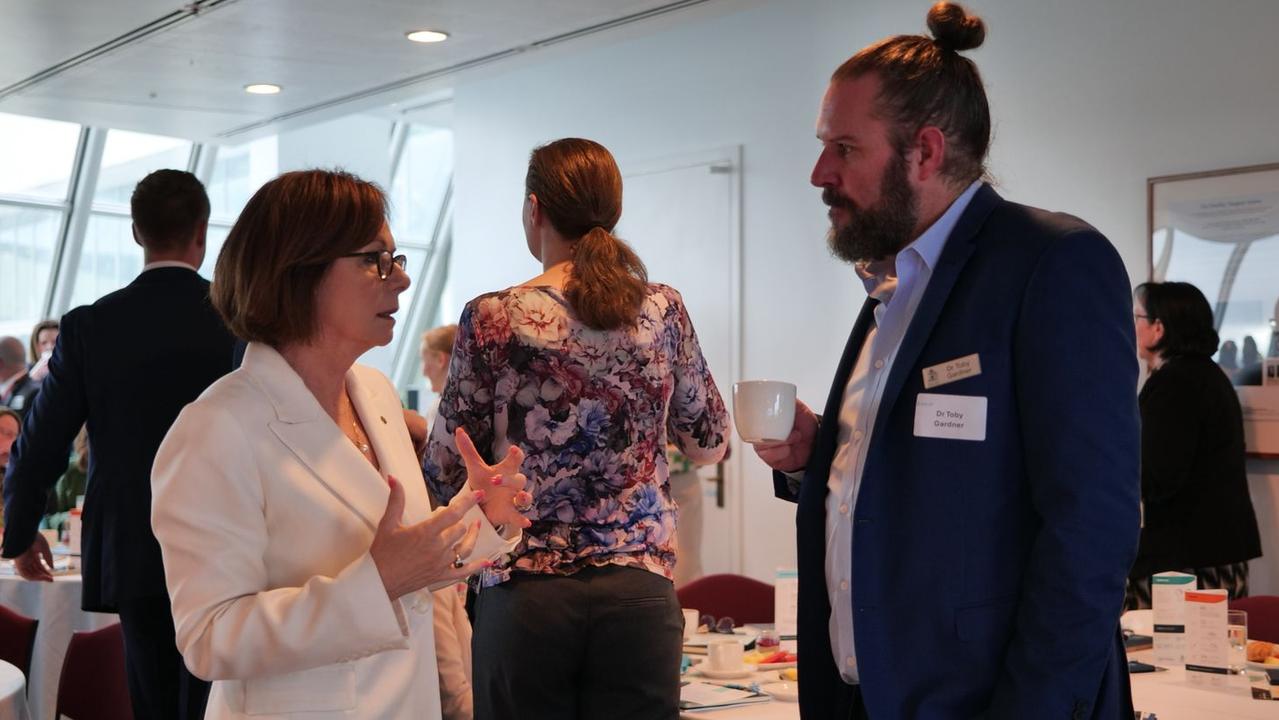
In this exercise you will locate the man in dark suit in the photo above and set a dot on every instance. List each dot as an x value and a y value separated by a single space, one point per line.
968 500
126 365
17 388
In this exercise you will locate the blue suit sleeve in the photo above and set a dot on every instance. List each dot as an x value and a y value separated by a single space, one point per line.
1075 371
40 453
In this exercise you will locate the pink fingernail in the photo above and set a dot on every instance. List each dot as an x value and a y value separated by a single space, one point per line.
488 564
496 479
479 496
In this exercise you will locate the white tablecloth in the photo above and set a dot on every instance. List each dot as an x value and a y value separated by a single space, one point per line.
13 697
1167 694
57 606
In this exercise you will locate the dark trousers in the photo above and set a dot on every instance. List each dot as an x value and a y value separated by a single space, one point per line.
601 644
160 685
849 705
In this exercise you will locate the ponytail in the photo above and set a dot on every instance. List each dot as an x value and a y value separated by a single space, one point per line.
608 281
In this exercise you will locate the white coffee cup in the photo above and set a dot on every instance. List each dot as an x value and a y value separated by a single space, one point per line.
690 623
763 410
725 655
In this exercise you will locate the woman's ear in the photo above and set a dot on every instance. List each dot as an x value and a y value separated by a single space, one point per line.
532 210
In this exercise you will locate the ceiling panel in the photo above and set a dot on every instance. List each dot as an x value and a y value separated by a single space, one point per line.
190 76
35 34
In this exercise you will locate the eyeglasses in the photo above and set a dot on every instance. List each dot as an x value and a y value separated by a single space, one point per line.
723 625
384 260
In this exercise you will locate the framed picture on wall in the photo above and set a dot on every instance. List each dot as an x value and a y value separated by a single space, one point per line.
1219 230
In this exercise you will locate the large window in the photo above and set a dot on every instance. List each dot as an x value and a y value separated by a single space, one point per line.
420 197
66 233
35 187
238 172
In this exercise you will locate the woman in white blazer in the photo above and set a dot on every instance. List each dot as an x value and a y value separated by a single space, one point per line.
299 546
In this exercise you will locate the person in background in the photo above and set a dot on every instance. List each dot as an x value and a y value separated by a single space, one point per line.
288 500
1198 513
588 369
1228 358
437 348
18 389
686 491
452 626
112 370
968 500
1251 354
43 338
10 426
70 486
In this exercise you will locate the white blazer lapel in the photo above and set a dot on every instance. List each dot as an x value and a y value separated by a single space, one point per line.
383 418
313 437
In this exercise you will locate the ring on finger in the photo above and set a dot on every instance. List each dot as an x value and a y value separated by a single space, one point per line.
457 559
522 506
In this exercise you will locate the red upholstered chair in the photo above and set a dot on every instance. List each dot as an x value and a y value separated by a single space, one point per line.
93 684
1263 616
17 640
744 599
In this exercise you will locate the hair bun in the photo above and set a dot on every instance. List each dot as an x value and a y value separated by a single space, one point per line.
954 29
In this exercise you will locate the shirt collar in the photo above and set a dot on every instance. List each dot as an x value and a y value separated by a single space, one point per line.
928 246
880 276
168 264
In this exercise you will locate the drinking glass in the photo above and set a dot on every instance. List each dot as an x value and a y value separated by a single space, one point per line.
1237 634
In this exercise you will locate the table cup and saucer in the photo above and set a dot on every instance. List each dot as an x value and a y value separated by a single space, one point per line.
725 660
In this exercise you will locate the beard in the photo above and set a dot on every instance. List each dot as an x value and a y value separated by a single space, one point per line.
874 233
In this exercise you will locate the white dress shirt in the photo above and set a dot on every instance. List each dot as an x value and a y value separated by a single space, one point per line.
898 283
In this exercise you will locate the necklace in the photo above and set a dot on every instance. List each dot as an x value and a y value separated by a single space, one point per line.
361 440
358 436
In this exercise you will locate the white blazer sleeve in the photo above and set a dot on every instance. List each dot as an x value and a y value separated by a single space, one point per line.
208 514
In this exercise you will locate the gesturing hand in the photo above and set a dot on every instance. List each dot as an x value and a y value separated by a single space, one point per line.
37 562
792 453
412 557
503 483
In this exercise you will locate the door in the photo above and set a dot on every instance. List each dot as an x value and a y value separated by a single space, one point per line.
682 216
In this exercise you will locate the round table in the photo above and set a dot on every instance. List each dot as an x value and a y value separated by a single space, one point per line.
13 695
1169 695
57 606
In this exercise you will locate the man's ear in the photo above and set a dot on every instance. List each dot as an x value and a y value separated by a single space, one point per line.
931 142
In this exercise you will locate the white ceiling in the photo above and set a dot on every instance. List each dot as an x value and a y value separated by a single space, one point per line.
157 66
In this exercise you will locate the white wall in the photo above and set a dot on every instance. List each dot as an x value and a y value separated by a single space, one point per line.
1089 99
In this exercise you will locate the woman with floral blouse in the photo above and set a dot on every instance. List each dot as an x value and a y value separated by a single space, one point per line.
589 369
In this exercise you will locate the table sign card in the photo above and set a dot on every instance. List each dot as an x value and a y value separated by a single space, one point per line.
1207 648
1168 613
786 607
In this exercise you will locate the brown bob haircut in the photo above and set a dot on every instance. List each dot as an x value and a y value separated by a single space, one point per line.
925 81
272 262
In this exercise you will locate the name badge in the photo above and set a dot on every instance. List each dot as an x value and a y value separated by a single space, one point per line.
950 417
948 372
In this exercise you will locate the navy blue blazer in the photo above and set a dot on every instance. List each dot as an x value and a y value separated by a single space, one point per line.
988 577
126 365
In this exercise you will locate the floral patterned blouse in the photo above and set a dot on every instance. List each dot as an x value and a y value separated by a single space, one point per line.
592 410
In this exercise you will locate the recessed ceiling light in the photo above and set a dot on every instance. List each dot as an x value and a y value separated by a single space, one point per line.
427 36
262 89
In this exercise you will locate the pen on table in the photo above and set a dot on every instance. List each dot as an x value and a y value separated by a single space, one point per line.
753 687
